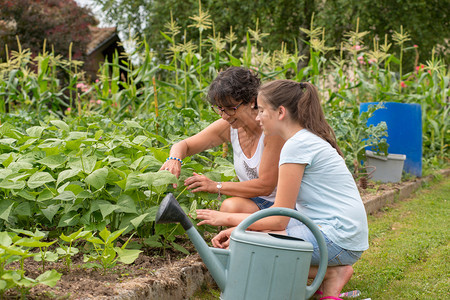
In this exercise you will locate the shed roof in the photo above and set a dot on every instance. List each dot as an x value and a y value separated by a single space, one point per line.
99 37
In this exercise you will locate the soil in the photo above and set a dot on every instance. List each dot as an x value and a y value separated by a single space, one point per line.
90 283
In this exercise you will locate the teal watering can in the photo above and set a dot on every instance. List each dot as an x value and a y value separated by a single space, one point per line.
257 265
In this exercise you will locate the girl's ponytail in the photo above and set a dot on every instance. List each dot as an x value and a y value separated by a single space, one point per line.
303 103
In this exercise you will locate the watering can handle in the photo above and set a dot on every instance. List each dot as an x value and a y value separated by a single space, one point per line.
283 211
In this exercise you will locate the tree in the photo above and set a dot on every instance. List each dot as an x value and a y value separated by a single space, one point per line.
145 19
59 22
427 21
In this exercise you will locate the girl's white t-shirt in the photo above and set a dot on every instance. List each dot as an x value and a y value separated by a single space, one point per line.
328 193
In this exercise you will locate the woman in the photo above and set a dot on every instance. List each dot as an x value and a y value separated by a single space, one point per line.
233 96
313 178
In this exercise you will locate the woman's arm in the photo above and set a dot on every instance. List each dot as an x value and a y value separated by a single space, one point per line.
262 186
289 180
212 136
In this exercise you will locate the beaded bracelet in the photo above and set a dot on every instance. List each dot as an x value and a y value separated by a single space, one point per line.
175 158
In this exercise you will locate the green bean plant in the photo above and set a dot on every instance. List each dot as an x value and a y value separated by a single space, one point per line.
10 278
106 253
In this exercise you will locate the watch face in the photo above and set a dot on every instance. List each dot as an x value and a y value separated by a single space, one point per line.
219 185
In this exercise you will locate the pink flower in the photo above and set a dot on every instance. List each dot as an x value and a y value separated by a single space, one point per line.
372 61
418 68
99 101
69 109
416 46
96 80
357 47
403 84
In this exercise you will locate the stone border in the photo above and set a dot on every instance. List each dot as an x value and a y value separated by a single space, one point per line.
190 274
373 204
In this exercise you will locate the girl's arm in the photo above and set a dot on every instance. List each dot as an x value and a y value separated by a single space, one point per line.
289 180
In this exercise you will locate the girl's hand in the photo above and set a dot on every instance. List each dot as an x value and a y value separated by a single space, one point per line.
174 167
211 217
222 239
200 183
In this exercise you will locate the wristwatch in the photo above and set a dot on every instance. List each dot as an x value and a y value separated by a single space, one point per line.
219 186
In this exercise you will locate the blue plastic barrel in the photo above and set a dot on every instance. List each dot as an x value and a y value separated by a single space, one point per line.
404 123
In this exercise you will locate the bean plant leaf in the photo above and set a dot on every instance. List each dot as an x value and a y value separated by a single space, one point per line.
126 204
66 174
97 178
136 222
127 256
69 219
66 196
23 209
11 185
8 161
38 179
61 125
133 124
180 248
85 164
53 161
77 135
107 209
5 209
49 278
134 181
50 211
5 239
35 131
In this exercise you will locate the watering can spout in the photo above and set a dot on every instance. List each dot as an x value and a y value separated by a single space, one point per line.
170 212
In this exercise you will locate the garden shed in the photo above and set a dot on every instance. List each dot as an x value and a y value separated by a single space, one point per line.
103 44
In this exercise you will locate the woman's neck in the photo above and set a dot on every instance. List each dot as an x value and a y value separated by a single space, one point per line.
252 127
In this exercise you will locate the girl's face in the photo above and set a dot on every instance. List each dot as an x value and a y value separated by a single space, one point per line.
267 116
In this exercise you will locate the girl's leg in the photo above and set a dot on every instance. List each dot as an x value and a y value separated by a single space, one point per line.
336 277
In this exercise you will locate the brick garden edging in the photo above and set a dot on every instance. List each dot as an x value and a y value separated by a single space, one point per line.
190 274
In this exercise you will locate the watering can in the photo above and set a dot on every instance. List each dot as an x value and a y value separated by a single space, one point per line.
257 265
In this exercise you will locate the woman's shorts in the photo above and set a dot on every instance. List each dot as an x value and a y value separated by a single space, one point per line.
261 203
337 256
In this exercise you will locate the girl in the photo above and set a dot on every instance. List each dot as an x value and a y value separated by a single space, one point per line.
313 178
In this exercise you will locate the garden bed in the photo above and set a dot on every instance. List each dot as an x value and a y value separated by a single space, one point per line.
172 275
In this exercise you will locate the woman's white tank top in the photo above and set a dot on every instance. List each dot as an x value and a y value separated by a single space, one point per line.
248 168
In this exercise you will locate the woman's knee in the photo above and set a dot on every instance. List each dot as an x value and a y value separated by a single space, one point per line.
238 205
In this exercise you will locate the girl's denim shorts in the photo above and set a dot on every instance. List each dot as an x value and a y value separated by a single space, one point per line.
337 256
261 203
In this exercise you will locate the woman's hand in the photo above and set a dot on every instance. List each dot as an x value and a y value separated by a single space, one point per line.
222 239
212 217
174 167
200 183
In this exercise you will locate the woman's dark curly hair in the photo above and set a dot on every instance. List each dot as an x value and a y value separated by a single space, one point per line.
234 84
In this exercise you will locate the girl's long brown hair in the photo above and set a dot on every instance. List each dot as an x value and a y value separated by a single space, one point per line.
303 103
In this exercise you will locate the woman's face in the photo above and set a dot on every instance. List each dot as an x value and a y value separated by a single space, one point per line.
267 116
236 115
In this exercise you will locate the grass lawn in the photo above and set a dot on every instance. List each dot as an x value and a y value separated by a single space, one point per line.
409 250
